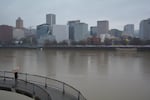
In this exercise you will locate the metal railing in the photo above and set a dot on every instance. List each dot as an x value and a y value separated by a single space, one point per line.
24 87
47 83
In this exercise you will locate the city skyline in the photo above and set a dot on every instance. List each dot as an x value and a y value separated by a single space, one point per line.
118 12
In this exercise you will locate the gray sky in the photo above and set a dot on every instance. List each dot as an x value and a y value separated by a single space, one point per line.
118 12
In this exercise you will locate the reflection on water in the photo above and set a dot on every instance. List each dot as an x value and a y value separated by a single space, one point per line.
100 75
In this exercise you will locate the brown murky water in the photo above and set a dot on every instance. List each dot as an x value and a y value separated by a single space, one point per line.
99 75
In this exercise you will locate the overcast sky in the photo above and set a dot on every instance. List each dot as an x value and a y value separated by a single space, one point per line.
118 12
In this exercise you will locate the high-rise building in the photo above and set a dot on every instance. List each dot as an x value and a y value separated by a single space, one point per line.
19 23
80 31
44 34
6 33
42 30
129 30
51 19
102 27
93 30
145 29
60 32
71 25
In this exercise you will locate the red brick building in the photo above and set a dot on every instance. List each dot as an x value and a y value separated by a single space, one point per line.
94 40
6 33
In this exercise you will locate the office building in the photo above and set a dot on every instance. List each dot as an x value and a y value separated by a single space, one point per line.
44 34
115 33
102 27
51 19
93 30
30 32
145 29
18 34
71 25
42 30
80 31
128 30
6 33
19 23
60 32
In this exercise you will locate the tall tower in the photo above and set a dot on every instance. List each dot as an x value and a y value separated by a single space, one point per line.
128 30
145 29
19 23
102 27
51 19
93 30
80 31
71 25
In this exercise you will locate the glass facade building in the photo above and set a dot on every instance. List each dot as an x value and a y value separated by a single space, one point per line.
42 30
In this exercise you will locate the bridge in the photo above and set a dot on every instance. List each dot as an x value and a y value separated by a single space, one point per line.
38 87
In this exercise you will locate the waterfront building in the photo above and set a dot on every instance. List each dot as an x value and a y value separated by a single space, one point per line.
80 31
44 34
71 25
102 27
61 32
44 39
94 40
51 19
145 29
128 30
19 23
136 34
115 33
6 33
29 32
93 30
42 30
18 34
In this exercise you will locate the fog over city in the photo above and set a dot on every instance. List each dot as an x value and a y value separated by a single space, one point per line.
75 49
118 12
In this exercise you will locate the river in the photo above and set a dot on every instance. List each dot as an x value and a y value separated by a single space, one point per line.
99 75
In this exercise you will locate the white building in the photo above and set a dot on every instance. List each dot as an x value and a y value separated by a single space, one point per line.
18 34
145 29
128 30
29 32
102 27
80 31
61 32
105 36
42 40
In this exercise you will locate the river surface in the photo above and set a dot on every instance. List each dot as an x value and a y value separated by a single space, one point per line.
99 75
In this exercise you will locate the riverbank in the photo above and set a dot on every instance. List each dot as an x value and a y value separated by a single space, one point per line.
82 47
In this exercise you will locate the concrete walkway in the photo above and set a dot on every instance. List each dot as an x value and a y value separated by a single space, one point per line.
5 95
35 91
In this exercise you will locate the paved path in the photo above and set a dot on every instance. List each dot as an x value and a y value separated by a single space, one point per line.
4 95
39 91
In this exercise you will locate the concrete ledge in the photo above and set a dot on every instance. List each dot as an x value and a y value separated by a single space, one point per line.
24 93
5 88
